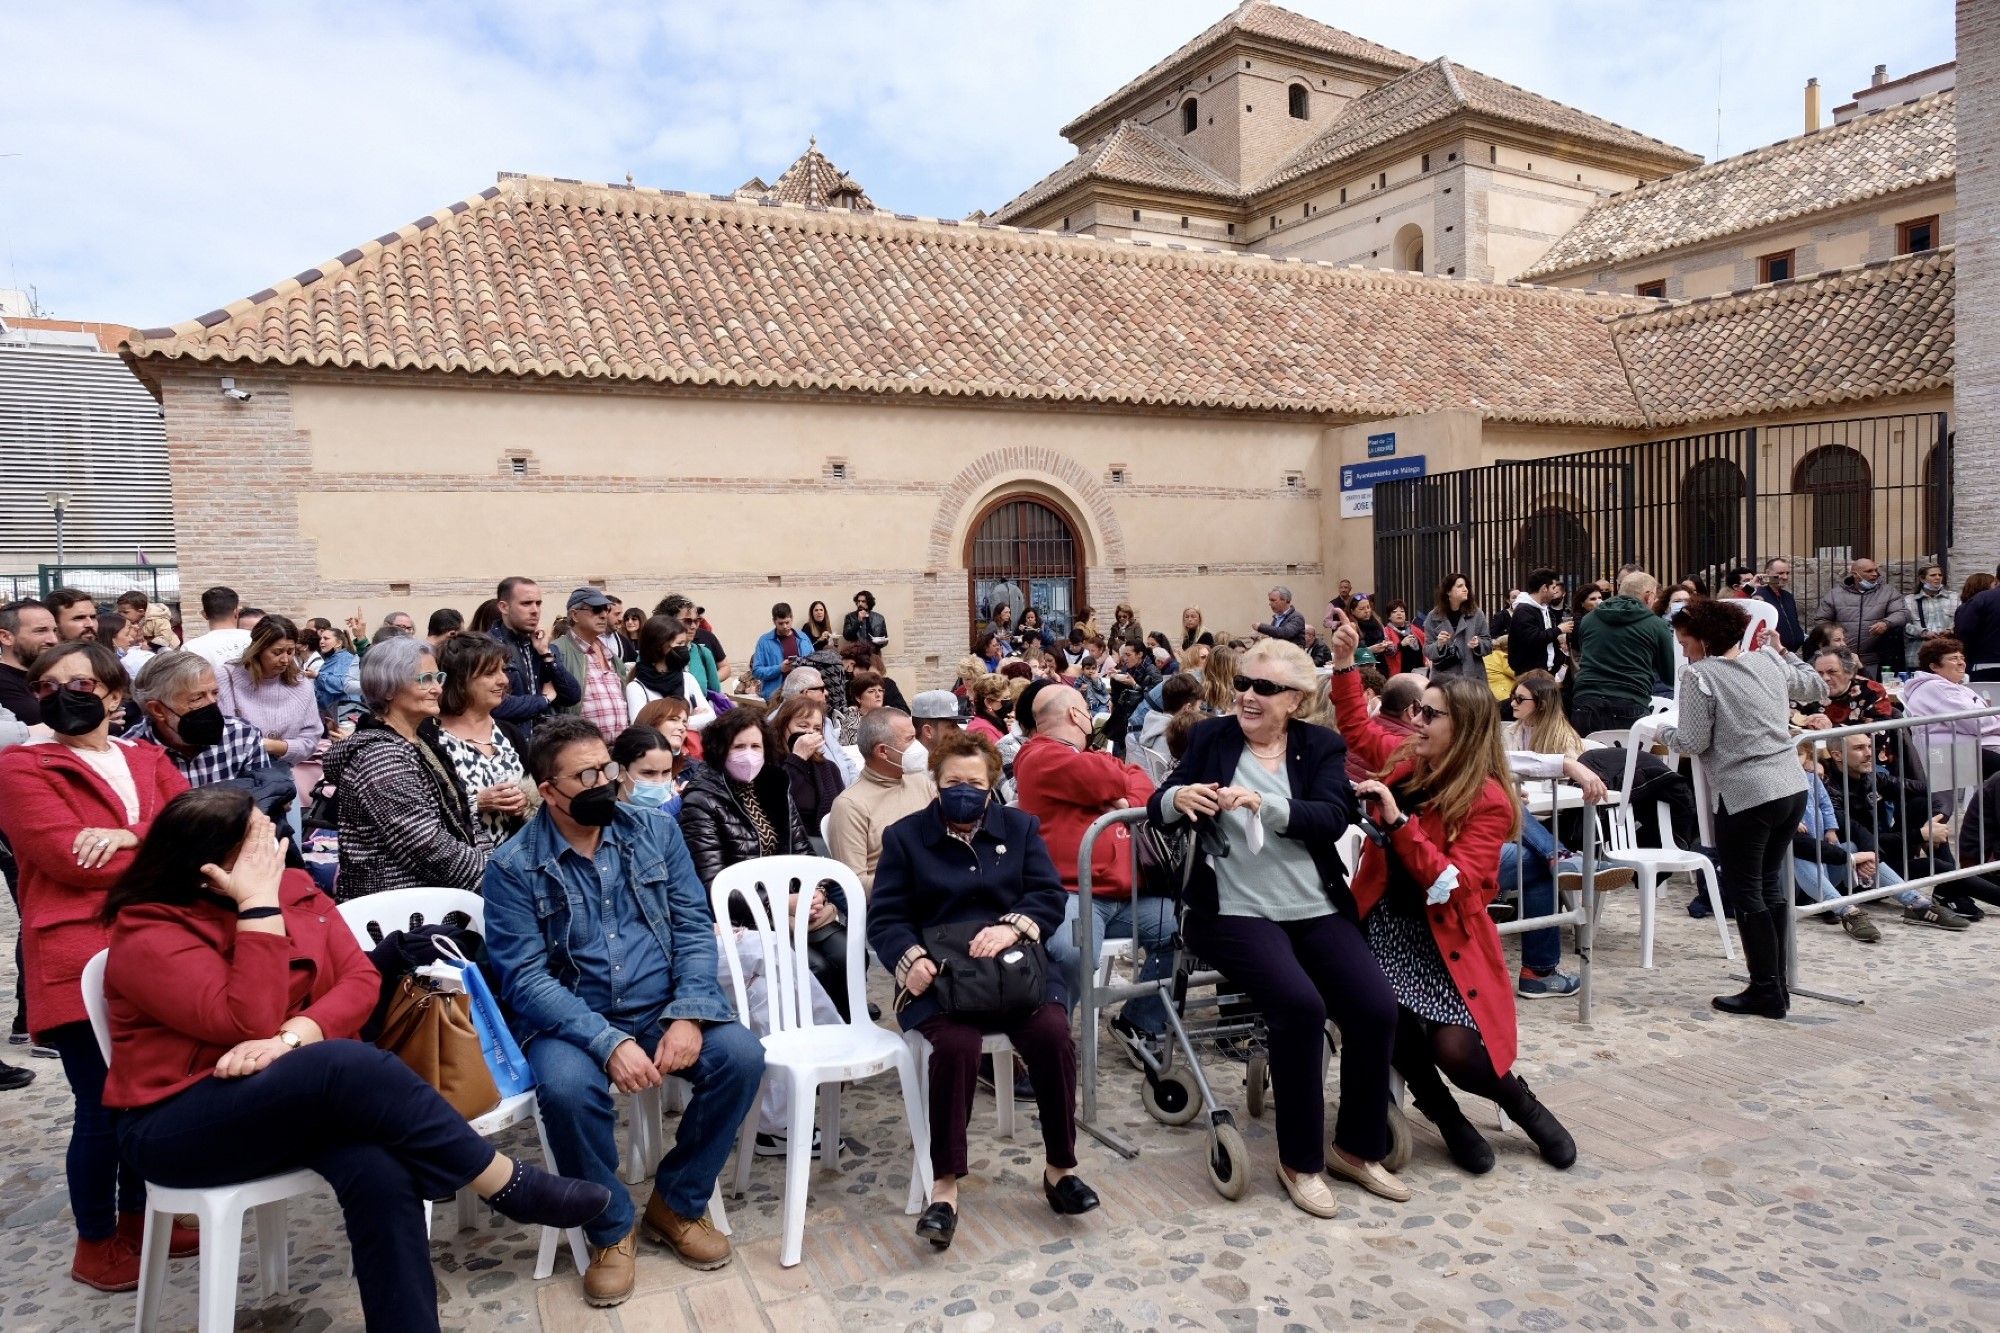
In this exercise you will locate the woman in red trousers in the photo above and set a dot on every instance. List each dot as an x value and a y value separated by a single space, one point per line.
74 809
1441 809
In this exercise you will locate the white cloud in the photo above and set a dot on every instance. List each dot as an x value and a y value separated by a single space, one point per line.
176 157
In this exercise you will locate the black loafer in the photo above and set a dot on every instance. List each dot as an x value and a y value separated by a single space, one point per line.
938 1225
13 1076
1069 1196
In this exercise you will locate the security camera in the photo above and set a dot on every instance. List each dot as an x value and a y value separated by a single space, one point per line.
232 393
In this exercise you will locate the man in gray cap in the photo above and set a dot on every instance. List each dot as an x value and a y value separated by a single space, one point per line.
935 711
591 657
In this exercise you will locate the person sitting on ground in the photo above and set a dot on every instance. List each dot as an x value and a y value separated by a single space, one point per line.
405 819
1275 917
1851 698
180 699
600 931
1835 858
485 752
1817 855
74 809
1891 816
895 781
234 995
1939 688
967 858
1068 786
265 688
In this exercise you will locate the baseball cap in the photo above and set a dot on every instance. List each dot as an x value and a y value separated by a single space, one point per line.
593 598
934 706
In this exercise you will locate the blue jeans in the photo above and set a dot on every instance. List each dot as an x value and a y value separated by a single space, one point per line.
1528 861
102 1184
1823 880
582 1119
1153 926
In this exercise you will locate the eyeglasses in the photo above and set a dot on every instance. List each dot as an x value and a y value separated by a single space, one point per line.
423 678
1430 714
1262 688
1524 698
46 689
595 777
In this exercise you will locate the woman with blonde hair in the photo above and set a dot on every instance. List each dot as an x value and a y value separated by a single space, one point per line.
1192 634
1218 681
991 706
1422 889
1539 724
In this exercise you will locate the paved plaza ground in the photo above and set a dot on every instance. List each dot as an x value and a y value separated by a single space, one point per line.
1838 1171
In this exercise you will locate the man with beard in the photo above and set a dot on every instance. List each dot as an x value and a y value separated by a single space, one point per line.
26 628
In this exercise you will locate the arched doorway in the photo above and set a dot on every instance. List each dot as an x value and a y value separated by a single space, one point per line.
1711 506
1835 481
1023 552
1409 248
1554 538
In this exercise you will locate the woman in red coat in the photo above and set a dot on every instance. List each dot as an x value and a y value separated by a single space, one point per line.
1425 880
74 809
234 990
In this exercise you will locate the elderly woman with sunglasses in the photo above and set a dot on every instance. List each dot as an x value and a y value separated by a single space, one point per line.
405 819
1423 886
75 810
1273 914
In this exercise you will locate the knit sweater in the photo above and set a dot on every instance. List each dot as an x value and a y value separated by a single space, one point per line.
289 713
1733 713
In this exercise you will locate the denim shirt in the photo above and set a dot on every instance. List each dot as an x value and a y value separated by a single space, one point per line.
535 920
622 970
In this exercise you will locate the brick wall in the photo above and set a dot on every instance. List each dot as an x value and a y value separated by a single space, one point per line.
1976 397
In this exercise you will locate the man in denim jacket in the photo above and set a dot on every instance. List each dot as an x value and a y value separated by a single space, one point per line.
605 947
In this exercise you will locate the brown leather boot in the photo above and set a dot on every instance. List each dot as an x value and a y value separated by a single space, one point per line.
613 1269
694 1239
108 1265
186 1237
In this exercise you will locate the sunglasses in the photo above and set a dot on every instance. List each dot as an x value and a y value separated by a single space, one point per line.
1524 698
1264 689
46 689
1430 714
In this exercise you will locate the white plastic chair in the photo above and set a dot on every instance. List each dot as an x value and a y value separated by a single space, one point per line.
797 1048
1652 864
1953 764
219 1210
1158 766
994 1044
399 909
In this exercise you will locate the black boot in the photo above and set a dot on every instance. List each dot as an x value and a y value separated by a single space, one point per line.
1764 997
1537 1121
1467 1146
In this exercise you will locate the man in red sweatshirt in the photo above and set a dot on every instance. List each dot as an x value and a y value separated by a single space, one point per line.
1067 786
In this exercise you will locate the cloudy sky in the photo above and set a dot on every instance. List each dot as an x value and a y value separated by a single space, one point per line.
159 159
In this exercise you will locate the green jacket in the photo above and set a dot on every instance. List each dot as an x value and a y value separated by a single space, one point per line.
1622 648
570 653
702 663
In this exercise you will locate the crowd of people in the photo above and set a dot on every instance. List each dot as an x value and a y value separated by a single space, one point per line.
191 805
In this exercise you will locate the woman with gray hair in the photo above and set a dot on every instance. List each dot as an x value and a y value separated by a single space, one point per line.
405 821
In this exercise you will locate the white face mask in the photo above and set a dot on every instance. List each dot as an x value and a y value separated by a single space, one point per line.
916 759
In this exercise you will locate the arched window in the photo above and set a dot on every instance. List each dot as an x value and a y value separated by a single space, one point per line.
1555 538
1711 516
1300 102
1190 116
1835 481
1024 553
1409 248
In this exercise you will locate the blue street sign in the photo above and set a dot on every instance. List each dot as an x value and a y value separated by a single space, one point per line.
1382 446
1365 476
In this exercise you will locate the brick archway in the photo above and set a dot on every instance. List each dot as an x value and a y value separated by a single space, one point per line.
1051 476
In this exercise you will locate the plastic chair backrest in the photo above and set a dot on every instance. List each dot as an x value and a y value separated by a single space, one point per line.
1157 765
766 884
395 909
826 830
94 1003
1954 764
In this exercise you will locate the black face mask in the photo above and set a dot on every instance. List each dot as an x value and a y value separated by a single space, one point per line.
677 658
70 713
201 727
595 807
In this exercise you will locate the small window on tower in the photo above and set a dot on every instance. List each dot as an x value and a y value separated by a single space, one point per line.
1190 116
1774 267
1656 288
518 465
1916 235
1299 102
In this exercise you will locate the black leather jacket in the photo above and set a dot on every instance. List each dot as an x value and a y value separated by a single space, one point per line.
718 829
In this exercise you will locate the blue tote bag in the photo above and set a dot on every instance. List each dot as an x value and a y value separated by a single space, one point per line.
503 1054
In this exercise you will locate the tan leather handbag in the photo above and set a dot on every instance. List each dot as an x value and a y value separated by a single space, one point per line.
430 1029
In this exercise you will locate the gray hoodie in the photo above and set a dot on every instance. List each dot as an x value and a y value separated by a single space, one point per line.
1846 604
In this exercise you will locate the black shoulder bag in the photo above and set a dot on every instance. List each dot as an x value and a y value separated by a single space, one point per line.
1011 984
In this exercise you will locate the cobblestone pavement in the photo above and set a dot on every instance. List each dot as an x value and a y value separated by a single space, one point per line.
1836 1171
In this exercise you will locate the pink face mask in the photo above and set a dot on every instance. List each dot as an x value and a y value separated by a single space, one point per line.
744 765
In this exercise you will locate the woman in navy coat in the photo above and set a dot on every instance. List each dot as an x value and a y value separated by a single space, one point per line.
1275 917
968 858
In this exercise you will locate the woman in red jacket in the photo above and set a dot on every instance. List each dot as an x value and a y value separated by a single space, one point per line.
234 989
74 810
1424 883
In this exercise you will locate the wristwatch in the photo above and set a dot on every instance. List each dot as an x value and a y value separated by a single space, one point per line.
290 1038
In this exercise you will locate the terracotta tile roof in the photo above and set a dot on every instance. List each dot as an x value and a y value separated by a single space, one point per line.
1840 337
1440 89
541 277
1255 18
1869 156
812 180
1131 154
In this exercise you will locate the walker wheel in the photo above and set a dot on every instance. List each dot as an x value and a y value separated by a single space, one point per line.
1169 1101
1229 1162
1256 1080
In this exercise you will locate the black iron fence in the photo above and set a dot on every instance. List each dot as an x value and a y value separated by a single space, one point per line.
1818 493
